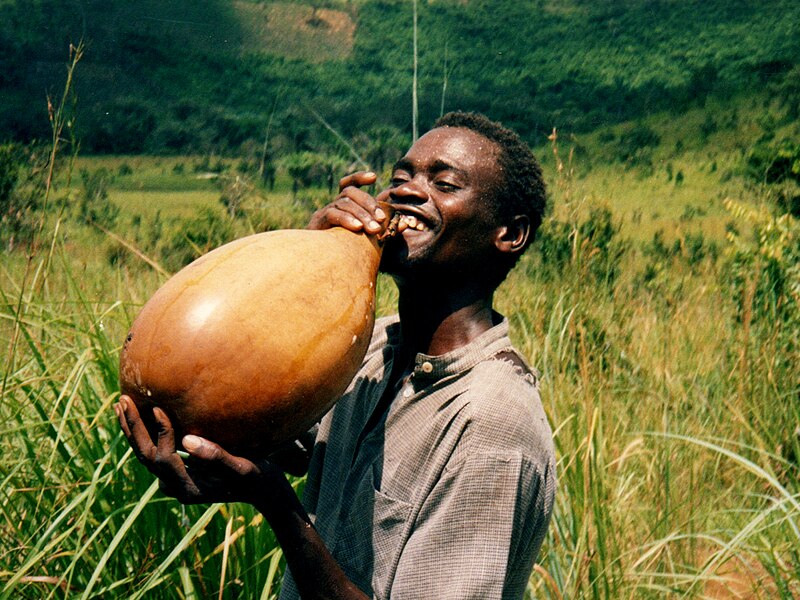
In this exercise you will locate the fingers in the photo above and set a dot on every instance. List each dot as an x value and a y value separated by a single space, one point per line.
159 458
216 457
353 209
358 179
169 466
357 211
210 474
135 430
166 434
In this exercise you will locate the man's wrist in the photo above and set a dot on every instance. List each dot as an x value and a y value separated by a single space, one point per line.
272 494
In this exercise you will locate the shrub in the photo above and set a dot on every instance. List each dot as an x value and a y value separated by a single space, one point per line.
235 189
635 146
21 190
764 273
94 206
187 240
125 128
9 172
774 163
591 246
308 169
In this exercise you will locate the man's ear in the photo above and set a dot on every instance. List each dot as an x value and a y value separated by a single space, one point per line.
513 237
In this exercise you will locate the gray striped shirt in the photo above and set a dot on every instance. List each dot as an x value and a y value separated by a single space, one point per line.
449 495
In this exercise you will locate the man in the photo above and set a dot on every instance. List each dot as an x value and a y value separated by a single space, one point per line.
433 476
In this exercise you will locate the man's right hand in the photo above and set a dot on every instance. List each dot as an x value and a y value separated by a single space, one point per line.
353 208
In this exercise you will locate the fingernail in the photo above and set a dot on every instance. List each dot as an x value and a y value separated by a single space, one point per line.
370 174
379 214
373 225
192 443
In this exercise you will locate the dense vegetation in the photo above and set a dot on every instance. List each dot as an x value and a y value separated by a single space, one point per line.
186 76
661 300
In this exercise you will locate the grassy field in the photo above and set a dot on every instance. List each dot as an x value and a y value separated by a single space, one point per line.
669 376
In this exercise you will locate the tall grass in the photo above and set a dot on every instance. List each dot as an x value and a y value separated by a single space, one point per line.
79 517
673 393
676 410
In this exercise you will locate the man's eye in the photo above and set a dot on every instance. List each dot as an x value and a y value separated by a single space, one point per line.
447 186
398 180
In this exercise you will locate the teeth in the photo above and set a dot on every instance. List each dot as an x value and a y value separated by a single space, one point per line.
412 222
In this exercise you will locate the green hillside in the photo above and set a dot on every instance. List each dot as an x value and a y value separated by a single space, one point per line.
205 76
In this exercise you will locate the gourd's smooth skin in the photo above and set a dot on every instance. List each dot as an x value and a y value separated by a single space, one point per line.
251 344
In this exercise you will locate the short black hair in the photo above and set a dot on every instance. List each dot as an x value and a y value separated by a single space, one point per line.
523 190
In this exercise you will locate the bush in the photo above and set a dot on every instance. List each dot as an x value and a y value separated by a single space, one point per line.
188 240
592 247
21 190
764 273
235 189
125 128
635 146
9 172
774 163
94 206
308 169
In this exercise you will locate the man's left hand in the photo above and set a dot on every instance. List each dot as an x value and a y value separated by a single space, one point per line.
209 474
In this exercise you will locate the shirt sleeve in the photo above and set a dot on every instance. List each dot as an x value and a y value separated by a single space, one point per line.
479 530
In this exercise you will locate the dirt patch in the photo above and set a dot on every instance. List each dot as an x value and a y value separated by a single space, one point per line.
296 31
740 579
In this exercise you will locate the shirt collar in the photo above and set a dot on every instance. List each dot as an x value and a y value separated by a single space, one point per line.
428 368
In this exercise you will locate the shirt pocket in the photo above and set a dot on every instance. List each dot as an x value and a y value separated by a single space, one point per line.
370 531
389 535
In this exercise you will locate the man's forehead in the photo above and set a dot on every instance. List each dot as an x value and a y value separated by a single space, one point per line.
461 147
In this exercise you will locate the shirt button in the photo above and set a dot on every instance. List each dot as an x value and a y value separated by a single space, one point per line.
427 367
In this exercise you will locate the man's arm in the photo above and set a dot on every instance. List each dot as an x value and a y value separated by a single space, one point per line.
211 474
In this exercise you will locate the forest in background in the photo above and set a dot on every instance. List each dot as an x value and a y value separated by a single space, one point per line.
203 77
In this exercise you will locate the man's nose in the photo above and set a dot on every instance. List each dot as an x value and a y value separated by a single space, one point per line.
411 191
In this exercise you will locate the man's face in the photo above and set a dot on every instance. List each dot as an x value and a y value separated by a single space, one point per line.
446 181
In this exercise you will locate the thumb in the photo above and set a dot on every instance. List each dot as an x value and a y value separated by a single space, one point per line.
201 447
204 449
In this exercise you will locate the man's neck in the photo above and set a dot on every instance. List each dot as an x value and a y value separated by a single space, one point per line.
438 323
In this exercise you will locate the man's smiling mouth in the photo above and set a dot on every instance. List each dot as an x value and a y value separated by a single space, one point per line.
412 220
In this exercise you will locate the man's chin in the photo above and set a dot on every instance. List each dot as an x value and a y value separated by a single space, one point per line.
394 256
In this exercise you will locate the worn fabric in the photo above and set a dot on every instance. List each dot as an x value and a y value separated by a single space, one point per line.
449 495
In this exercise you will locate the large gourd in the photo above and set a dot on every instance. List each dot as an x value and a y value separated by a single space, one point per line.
252 343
